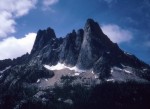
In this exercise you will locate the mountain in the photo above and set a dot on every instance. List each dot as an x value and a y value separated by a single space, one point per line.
85 67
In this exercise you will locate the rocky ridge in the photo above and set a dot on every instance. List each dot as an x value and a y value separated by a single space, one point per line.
86 57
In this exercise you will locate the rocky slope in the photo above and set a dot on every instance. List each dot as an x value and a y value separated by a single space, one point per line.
84 60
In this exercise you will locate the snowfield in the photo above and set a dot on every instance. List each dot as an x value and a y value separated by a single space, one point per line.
61 66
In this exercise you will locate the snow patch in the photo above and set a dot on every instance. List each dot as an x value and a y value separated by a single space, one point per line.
5 69
61 66
59 99
123 65
108 80
127 53
115 68
54 49
76 74
112 70
92 72
145 69
108 52
119 69
46 79
53 38
38 80
95 76
127 71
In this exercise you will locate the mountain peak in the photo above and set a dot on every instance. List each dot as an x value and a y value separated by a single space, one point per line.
94 42
89 20
50 32
83 48
93 30
43 38
93 27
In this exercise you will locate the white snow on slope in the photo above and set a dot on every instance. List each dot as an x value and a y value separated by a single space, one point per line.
115 68
145 69
5 69
127 71
110 80
123 65
119 69
124 74
95 76
76 74
112 70
38 80
127 53
92 72
108 52
61 66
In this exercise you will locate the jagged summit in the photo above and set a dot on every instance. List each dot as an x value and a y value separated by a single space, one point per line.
95 43
43 38
92 26
94 31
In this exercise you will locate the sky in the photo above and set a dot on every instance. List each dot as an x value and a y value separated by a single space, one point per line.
126 22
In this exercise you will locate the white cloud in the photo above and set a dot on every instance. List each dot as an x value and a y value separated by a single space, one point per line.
9 11
49 2
116 33
7 24
17 7
12 47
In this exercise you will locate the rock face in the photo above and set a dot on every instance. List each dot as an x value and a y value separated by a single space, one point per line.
95 43
84 48
88 49
84 55
70 48
43 38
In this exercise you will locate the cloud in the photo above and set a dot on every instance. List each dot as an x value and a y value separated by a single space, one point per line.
9 11
7 24
116 33
12 47
17 9
49 2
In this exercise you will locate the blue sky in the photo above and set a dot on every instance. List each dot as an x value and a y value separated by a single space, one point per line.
126 22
